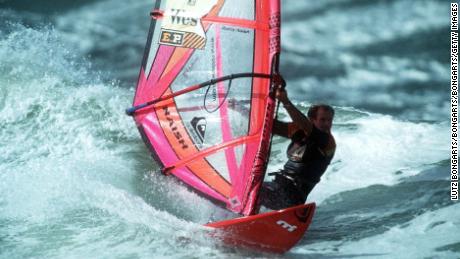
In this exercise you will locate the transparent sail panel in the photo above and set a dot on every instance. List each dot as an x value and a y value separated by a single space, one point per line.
242 9
217 113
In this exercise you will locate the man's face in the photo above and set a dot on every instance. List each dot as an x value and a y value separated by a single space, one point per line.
323 120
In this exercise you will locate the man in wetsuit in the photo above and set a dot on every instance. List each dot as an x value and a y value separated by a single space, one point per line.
309 154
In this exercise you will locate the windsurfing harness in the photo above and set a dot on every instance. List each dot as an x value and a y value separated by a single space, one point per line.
308 159
204 104
309 156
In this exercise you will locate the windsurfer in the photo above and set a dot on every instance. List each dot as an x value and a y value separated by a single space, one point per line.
309 154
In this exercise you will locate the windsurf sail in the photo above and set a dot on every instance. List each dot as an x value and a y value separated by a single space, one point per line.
202 102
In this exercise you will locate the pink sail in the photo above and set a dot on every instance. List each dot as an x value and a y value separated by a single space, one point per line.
202 103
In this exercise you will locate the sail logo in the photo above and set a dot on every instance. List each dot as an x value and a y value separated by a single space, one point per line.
170 37
178 17
173 127
287 226
199 126
181 25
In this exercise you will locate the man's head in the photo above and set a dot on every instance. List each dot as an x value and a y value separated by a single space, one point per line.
321 115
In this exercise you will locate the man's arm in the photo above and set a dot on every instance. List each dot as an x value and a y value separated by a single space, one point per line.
280 128
299 119
284 129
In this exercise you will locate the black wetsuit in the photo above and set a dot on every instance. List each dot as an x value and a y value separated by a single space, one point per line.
308 159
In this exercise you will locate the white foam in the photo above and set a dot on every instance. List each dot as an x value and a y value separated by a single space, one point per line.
67 163
380 148
428 235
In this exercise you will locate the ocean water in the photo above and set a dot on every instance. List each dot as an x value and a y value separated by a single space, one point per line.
76 180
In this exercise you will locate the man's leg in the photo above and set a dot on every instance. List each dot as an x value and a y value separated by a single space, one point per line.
272 196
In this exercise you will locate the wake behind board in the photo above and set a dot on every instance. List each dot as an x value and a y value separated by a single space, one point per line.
275 231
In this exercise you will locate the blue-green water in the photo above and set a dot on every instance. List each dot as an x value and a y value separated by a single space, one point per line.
77 182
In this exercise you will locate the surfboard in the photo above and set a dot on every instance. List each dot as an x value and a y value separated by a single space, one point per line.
204 102
276 231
